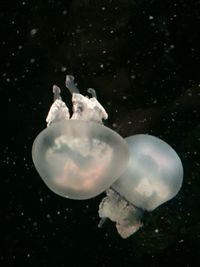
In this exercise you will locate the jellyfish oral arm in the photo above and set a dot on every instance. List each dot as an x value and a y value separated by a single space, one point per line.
87 109
69 83
126 216
84 108
58 110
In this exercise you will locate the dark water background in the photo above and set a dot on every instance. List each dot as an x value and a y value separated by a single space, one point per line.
143 59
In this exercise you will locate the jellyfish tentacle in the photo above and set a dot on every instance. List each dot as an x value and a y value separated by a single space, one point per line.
69 83
92 92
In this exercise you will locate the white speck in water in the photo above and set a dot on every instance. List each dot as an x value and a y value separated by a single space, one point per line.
63 69
33 32
32 60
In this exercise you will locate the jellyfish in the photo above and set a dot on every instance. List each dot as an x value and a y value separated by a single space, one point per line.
78 157
153 176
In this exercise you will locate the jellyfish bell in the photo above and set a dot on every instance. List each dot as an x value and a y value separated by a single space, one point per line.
153 176
76 158
154 173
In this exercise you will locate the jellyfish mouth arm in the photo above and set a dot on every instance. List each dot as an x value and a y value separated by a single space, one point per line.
80 105
84 108
88 109
119 210
58 110
69 83
99 109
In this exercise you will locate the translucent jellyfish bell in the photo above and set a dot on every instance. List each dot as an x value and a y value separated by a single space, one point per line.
78 158
153 176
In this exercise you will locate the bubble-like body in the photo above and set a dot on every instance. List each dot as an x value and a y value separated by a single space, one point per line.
153 176
79 159
154 173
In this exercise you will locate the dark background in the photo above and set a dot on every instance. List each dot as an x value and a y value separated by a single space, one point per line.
143 59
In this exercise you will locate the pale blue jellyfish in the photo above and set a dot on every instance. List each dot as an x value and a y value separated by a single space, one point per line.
79 158
153 176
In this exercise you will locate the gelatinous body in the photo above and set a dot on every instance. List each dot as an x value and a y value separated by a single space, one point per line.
79 159
153 176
